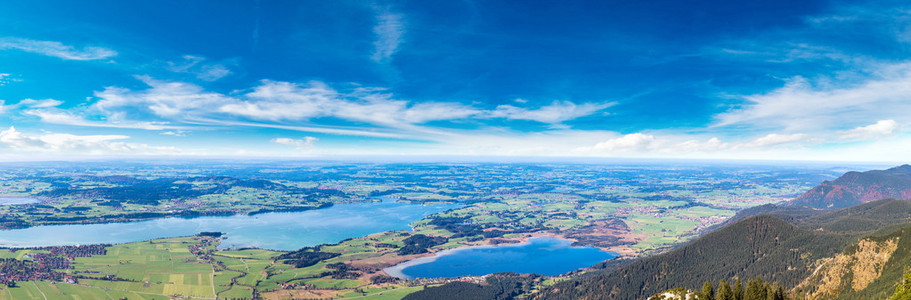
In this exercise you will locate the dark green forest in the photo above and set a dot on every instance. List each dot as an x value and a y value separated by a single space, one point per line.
763 246
495 287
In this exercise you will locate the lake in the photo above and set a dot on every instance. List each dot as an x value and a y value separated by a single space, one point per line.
278 231
17 200
540 255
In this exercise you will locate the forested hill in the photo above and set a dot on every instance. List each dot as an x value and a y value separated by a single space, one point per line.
855 188
790 214
875 267
861 219
865 217
762 246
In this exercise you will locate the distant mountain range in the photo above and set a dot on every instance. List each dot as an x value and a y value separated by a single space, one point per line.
855 188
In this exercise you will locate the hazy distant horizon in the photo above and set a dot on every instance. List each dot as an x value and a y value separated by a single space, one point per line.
382 159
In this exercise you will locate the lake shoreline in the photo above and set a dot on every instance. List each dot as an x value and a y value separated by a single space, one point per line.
622 251
284 231
164 215
18 200
186 214
397 270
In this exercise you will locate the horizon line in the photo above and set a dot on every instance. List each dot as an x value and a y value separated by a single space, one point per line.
428 158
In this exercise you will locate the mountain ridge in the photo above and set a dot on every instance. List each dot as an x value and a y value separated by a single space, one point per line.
763 245
758 246
855 188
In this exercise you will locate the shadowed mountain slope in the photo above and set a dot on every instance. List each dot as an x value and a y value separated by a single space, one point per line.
860 219
758 246
763 245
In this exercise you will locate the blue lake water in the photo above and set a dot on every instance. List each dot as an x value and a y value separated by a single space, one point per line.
17 200
541 255
279 231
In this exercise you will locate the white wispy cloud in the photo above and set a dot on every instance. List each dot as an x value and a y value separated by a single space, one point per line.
278 101
828 104
163 99
4 78
200 67
432 111
814 41
275 101
68 118
629 142
504 142
581 143
175 107
213 72
48 112
40 103
175 133
380 108
879 129
774 139
645 143
301 144
665 144
389 30
30 103
782 52
556 112
56 49
682 145
711 145
280 105
335 130
76 144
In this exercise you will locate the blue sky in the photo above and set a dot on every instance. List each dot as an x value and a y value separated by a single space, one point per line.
814 80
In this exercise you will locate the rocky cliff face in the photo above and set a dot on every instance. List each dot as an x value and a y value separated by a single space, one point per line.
868 269
854 269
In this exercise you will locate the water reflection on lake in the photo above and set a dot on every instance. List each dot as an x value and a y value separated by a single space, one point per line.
17 200
541 255
280 231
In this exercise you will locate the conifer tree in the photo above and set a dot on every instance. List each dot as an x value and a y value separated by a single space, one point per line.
724 291
738 290
708 292
776 292
756 290
903 291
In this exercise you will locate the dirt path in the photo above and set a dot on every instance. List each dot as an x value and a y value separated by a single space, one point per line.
39 290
